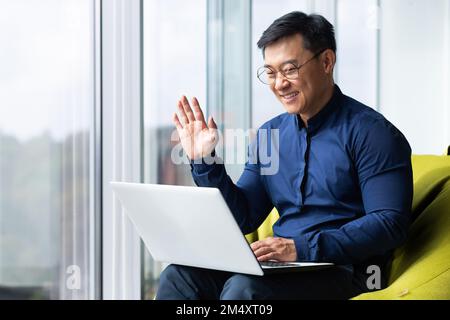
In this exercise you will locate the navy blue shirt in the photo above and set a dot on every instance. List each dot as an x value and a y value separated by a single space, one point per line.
342 185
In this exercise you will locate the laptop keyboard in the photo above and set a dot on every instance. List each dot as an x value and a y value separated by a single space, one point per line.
277 264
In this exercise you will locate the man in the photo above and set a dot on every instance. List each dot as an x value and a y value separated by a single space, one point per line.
343 188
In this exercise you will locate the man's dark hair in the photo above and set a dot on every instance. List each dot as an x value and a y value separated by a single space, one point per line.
317 32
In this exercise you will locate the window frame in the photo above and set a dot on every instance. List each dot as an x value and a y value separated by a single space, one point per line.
95 241
122 143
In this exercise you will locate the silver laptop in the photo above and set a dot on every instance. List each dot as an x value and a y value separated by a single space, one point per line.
193 226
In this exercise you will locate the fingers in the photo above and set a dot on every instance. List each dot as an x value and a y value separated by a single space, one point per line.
263 251
198 113
211 123
272 249
177 122
269 256
261 243
262 247
183 116
256 245
189 115
280 249
187 109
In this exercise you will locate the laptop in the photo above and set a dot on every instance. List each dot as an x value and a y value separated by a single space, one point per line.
193 226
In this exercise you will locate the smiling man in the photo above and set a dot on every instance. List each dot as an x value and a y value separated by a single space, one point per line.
343 188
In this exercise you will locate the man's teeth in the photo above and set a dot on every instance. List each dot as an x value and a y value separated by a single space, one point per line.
289 96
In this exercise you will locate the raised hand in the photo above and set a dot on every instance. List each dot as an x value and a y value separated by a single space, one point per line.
198 139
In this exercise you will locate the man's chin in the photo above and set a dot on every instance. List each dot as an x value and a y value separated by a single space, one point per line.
292 109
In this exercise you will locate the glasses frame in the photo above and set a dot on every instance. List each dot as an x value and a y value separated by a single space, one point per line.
261 70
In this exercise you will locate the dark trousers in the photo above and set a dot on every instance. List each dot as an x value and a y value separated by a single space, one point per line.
189 283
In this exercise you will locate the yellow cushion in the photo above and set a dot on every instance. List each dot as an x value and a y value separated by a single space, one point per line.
420 267
425 163
265 230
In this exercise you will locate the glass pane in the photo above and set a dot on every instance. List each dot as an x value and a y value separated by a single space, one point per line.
174 64
229 79
46 143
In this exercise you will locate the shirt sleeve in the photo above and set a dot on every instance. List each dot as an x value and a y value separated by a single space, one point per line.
247 199
382 159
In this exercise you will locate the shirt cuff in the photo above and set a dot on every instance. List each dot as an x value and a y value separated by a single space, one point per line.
302 247
204 165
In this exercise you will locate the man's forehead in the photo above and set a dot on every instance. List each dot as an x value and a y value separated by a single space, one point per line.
281 58
287 49
283 64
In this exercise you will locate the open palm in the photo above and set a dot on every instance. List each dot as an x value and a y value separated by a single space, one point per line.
198 139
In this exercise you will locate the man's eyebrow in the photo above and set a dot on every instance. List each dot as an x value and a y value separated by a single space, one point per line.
293 61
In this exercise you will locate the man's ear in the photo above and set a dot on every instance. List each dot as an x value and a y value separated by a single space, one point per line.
328 61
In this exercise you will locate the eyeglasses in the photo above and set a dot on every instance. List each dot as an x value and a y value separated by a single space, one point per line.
289 71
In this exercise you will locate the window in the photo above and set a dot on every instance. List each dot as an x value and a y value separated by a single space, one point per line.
174 64
47 189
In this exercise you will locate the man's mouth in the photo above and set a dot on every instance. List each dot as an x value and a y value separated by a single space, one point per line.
290 96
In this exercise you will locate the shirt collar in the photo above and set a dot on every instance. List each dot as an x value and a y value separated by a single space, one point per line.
316 121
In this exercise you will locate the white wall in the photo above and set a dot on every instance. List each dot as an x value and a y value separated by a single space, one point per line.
414 71
357 49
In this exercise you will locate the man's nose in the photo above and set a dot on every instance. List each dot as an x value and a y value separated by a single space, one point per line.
281 81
